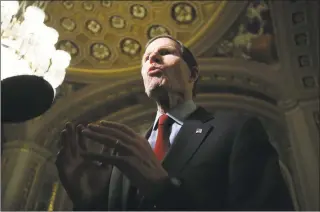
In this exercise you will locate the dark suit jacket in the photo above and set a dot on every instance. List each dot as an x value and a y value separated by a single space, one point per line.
228 165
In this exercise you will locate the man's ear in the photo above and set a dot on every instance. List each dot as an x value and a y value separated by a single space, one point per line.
194 74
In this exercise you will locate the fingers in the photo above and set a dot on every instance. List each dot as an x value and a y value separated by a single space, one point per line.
107 159
123 163
65 149
118 126
81 140
107 140
72 138
115 133
65 141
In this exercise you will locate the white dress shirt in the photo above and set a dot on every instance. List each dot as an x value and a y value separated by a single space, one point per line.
178 114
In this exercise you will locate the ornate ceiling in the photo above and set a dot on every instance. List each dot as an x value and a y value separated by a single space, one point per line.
108 36
243 52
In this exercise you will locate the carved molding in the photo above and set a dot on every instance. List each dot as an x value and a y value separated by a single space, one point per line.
288 104
297 37
248 74
144 113
305 156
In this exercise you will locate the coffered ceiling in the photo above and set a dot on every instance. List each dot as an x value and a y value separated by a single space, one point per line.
109 36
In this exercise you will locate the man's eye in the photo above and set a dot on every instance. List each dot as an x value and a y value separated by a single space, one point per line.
164 52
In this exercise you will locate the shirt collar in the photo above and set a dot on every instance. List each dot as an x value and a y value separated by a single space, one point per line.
178 113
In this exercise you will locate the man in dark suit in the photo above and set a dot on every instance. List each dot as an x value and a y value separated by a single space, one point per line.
188 160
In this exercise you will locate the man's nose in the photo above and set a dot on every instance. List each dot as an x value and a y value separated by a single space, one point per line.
155 58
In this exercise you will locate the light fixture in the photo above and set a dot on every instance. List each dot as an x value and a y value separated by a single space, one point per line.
31 67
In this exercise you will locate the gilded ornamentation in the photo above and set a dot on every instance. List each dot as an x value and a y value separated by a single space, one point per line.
183 13
156 30
68 5
55 187
130 47
100 51
93 26
88 6
138 11
106 3
117 22
68 46
109 22
68 24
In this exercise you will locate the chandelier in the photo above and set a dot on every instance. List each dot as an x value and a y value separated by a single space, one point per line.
31 67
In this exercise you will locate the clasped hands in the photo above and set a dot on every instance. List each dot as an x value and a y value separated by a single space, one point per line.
134 156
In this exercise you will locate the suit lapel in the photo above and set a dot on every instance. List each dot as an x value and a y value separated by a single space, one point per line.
190 137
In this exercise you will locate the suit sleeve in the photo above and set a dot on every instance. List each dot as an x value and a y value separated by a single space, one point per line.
172 196
255 180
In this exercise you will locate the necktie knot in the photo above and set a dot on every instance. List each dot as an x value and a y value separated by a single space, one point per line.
163 119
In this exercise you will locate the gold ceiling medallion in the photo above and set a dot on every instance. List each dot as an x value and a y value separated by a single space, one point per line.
69 47
130 47
156 30
93 26
68 24
106 3
100 51
68 5
183 13
88 6
117 22
138 11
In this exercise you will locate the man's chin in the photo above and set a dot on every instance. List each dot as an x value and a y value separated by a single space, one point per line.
156 92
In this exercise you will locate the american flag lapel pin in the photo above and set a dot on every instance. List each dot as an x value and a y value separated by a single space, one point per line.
198 130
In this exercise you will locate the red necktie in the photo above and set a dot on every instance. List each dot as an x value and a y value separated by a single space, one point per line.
162 141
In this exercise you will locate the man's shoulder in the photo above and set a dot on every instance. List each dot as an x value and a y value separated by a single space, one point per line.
232 115
226 119
233 119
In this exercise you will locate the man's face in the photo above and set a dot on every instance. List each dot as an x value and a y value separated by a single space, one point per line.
163 69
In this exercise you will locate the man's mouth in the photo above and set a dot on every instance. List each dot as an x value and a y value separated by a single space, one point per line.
155 71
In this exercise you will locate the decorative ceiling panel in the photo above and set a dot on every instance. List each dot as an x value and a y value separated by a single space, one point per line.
108 36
